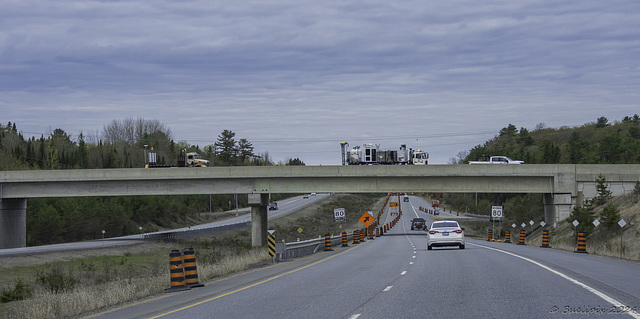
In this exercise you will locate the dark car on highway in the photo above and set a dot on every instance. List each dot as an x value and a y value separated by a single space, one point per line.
418 223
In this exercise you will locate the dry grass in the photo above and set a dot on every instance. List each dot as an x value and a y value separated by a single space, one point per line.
88 298
114 276
602 241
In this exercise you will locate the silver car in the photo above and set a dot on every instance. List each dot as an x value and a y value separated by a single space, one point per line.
445 233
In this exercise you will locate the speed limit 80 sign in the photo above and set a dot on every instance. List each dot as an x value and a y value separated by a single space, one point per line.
496 212
339 215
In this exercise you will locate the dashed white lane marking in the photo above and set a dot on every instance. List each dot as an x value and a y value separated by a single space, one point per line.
596 292
413 256
403 273
387 289
355 316
411 263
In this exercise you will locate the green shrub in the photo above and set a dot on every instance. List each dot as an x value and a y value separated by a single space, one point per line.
21 290
55 281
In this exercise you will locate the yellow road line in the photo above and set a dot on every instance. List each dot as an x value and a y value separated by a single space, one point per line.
253 285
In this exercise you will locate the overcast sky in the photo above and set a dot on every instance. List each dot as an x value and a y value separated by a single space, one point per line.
296 78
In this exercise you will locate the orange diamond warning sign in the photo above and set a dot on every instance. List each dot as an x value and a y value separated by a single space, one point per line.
366 219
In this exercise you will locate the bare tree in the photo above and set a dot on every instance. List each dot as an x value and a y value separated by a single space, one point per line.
133 131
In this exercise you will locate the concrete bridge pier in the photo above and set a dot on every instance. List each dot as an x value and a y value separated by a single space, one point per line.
557 207
13 223
258 203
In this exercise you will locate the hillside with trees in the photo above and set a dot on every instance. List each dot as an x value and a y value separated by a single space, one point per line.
119 145
599 142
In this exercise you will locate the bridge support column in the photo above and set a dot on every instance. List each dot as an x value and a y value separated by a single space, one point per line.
549 209
258 203
13 223
557 207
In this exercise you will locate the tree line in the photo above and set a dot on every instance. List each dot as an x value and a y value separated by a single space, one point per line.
119 145
599 142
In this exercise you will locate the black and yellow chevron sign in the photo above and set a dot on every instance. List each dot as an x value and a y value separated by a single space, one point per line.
272 245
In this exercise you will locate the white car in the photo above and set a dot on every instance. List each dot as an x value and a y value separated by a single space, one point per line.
445 233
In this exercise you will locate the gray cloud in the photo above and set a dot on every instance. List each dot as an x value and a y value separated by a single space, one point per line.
297 77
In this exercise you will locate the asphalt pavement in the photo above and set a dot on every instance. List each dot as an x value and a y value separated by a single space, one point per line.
395 276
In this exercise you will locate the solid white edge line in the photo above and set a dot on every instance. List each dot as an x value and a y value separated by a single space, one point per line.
594 291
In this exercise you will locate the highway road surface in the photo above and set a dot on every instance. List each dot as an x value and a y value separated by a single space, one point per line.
394 276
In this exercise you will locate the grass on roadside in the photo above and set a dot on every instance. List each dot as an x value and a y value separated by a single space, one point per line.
73 284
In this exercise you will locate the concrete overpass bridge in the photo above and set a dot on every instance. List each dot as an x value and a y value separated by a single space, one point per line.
563 185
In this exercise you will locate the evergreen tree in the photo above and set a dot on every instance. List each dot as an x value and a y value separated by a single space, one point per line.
245 150
524 137
42 156
576 148
634 132
585 217
82 157
295 161
226 148
611 149
610 216
604 194
510 130
602 122
550 153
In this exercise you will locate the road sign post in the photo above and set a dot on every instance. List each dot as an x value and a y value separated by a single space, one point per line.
496 215
622 223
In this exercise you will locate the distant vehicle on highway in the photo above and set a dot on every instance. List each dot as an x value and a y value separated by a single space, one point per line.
313 194
418 223
273 206
372 154
497 160
405 198
305 196
445 233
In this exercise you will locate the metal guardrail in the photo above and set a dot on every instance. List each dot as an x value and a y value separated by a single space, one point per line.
303 248
479 216
284 251
188 233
